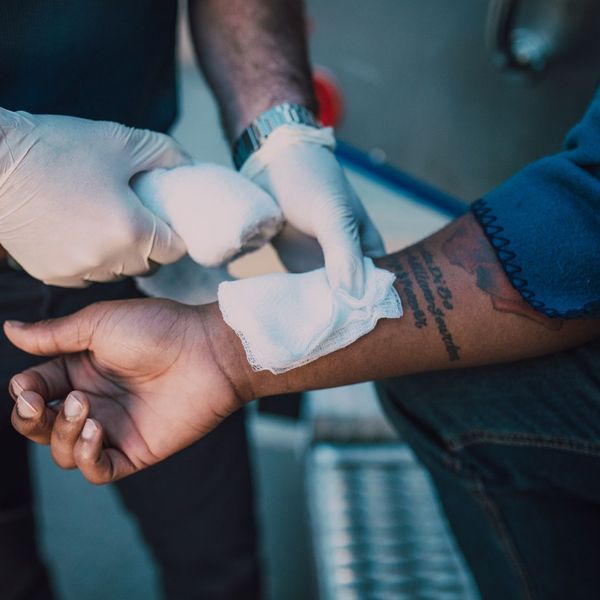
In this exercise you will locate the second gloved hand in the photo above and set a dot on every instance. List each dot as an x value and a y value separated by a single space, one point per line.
67 213
296 165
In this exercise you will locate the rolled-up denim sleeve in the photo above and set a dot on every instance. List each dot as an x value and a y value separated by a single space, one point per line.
544 224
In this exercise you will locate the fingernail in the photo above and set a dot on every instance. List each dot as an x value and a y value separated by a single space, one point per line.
25 409
14 323
89 430
73 408
16 388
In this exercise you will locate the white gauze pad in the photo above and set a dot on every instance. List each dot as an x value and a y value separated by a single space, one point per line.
184 281
218 213
287 320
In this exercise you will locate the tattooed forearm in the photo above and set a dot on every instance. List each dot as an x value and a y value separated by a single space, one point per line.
469 249
394 264
423 277
429 279
438 277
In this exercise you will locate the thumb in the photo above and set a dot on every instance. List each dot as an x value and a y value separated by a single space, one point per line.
153 150
166 246
65 335
343 259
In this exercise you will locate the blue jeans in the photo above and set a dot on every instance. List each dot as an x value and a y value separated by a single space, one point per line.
195 509
514 452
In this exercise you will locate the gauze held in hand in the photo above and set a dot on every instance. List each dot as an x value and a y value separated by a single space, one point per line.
218 213
287 320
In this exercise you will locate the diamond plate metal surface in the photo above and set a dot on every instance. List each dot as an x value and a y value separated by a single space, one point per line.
377 528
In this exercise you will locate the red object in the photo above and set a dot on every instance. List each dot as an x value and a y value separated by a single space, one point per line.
330 97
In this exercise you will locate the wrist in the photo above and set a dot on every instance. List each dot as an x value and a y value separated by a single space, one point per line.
228 353
230 357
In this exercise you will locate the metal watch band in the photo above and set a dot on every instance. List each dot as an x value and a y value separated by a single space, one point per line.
254 136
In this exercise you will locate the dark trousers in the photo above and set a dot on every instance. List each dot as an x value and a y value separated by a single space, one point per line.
514 452
195 510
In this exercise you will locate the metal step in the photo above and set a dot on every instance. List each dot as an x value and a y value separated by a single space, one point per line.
378 531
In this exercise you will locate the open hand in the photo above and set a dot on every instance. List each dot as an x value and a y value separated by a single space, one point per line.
139 378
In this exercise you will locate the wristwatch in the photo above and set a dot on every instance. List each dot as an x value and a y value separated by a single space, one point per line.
254 136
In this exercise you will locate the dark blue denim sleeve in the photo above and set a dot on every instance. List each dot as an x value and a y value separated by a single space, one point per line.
544 224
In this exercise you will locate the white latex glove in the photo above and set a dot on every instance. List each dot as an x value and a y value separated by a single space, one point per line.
67 213
296 165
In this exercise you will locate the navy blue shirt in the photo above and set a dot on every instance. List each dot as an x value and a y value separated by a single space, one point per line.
97 59
544 224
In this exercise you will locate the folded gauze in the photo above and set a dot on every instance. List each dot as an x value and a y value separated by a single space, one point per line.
218 213
287 320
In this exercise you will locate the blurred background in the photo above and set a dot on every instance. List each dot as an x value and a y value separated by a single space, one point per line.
434 105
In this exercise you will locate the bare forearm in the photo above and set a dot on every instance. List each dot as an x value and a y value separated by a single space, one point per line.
253 54
460 311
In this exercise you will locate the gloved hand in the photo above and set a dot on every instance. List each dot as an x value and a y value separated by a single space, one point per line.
296 165
67 213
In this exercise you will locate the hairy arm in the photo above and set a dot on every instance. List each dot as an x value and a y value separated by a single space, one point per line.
253 55
460 311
